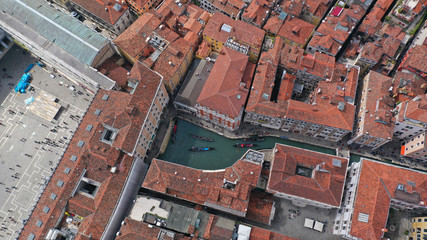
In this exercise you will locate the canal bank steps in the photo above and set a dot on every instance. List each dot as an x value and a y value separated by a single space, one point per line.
246 130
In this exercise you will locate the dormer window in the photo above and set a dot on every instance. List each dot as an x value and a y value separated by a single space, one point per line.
108 135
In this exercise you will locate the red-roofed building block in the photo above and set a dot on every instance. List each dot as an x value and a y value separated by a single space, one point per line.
87 184
306 177
372 188
112 15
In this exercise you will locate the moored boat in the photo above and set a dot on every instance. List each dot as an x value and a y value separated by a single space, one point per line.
201 149
243 145
253 139
201 138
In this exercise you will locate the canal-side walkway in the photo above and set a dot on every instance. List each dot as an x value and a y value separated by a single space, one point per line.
389 153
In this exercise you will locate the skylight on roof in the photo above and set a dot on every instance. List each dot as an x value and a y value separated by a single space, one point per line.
226 28
336 162
117 7
363 217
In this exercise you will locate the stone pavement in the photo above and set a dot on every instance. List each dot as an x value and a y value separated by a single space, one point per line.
30 146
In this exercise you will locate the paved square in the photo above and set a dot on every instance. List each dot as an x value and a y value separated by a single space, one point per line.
294 227
24 198
30 146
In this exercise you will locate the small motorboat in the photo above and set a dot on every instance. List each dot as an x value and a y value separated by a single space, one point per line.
253 139
201 149
244 145
201 138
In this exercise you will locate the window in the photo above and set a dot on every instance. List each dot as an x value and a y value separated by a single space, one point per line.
53 196
31 236
89 128
67 170
73 158
60 183
46 209
39 223
81 143
97 112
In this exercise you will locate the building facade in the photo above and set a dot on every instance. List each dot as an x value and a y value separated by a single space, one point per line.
416 147
418 228
411 118
6 42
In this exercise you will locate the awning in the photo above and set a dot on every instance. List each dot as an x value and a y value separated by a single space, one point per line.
318 226
308 223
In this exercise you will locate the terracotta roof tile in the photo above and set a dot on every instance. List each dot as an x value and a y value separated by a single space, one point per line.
264 234
185 183
379 98
416 58
223 90
95 160
296 30
317 7
242 31
273 24
324 186
260 207
417 109
97 8
133 39
377 185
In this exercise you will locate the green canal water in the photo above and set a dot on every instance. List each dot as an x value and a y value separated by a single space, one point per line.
224 154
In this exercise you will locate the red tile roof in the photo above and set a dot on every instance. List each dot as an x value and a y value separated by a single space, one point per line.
417 109
95 160
264 234
98 8
409 86
290 58
114 71
375 50
136 230
372 21
324 186
377 185
378 118
273 24
392 30
134 39
416 58
320 65
226 88
255 12
203 187
242 31
260 207
317 7
296 30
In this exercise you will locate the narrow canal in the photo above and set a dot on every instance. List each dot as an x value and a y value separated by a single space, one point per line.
225 154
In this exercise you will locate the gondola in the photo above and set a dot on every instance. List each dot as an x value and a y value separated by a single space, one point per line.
245 145
201 138
201 149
